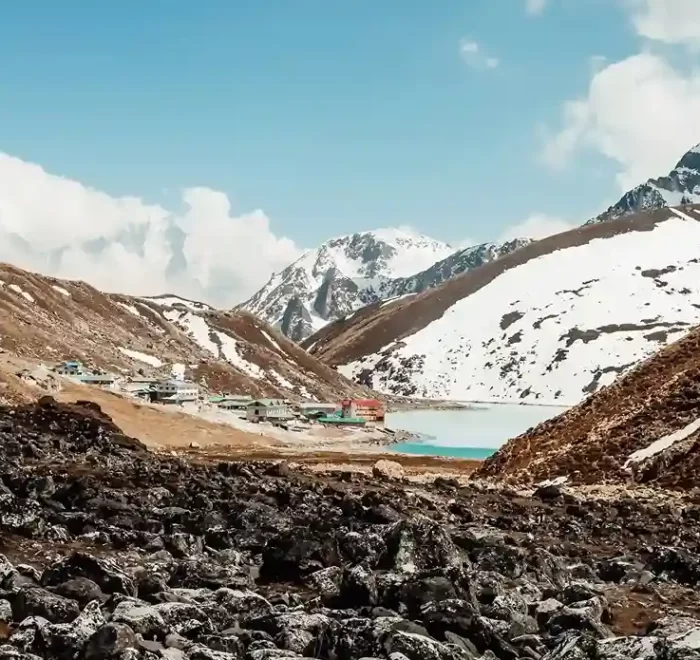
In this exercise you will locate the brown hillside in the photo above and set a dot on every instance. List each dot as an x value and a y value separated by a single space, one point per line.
591 442
45 319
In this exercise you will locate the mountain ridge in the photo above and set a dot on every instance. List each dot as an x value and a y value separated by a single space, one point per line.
512 328
681 186
350 272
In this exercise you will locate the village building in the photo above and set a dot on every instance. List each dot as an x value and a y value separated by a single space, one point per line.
233 401
75 369
96 379
314 408
268 410
371 410
175 391
69 368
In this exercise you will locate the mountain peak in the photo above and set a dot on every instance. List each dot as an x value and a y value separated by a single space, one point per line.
351 271
679 187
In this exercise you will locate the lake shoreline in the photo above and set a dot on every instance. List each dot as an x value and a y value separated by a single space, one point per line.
408 404
466 432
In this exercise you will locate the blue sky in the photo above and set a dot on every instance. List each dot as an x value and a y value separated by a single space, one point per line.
340 115
331 116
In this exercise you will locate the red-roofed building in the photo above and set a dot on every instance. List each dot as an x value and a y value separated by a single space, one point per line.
371 410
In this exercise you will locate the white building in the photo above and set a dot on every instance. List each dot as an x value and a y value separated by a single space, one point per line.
175 391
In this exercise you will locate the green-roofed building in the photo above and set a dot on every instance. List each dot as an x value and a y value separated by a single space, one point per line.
268 410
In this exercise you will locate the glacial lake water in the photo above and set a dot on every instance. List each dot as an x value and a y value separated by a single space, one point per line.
471 433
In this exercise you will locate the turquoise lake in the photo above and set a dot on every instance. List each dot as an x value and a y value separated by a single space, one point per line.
472 433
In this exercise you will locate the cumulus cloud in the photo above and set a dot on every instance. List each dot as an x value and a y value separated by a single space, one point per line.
668 21
473 54
62 228
535 7
536 226
640 112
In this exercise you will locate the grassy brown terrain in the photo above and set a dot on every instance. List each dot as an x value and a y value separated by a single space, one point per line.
45 319
591 442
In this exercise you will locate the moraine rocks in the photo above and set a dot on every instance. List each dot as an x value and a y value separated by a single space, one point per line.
112 552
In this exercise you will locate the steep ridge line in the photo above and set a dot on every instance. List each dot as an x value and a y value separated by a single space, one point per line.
372 328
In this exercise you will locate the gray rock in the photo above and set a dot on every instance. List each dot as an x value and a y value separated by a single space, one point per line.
35 601
109 641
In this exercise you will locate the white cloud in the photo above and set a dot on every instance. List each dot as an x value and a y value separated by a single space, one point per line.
535 7
641 112
60 227
668 21
537 225
473 54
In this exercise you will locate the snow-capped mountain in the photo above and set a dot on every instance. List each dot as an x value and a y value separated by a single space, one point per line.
350 272
455 264
553 321
341 276
680 186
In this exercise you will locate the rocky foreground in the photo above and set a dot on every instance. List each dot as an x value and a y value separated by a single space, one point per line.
112 552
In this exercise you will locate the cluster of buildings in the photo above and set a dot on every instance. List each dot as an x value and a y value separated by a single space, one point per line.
77 370
164 390
280 411
276 411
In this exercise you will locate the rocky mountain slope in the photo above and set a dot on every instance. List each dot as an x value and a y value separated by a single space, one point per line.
455 264
45 319
553 321
342 275
113 552
644 428
680 186
347 273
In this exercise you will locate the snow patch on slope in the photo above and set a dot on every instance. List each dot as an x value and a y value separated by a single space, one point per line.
19 290
558 327
129 308
195 326
230 352
662 444
141 357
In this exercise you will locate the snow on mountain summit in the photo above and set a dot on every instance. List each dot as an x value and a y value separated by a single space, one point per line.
349 272
340 276
680 186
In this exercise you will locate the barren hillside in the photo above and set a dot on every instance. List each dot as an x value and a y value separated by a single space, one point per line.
644 428
45 319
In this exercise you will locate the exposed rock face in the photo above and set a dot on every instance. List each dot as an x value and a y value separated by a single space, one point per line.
460 262
680 186
350 272
138 556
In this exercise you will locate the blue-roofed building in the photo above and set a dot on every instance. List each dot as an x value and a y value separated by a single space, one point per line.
70 368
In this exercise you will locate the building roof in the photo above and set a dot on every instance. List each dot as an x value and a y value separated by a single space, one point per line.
267 402
364 402
180 384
